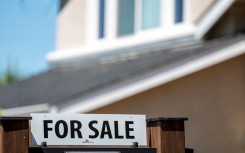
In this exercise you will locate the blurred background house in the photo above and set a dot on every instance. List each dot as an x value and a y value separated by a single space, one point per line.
169 58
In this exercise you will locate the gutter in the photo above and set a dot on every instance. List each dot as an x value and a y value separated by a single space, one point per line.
25 110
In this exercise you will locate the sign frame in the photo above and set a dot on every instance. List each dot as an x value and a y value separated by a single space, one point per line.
88 129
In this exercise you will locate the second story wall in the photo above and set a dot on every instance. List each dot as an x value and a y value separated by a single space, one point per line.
198 8
70 25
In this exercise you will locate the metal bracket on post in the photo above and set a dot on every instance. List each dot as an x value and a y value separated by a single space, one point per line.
135 145
44 144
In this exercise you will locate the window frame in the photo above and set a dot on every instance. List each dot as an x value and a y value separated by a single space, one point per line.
111 41
167 17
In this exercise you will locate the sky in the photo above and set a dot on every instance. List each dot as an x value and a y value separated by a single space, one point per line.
27 34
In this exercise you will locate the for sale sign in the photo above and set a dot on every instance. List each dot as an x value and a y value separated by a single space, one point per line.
88 129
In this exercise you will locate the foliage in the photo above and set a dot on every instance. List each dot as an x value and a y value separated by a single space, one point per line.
8 76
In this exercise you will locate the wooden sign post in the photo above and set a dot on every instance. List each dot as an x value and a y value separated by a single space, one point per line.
167 135
14 134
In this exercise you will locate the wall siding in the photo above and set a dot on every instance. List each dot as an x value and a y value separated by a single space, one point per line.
71 25
198 8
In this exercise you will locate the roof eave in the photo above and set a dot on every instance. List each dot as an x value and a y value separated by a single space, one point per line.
23 110
151 81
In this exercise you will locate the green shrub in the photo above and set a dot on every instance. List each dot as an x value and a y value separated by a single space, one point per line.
8 76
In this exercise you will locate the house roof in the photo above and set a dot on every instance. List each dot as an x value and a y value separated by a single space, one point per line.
67 86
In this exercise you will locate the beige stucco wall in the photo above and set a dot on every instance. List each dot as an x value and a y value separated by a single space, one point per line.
213 100
70 25
199 7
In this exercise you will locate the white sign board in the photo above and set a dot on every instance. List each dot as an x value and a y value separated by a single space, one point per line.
88 129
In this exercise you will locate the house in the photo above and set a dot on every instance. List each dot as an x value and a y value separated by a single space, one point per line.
160 58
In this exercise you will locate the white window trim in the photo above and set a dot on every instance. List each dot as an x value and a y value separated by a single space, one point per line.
167 12
137 16
111 42
111 20
91 21
187 12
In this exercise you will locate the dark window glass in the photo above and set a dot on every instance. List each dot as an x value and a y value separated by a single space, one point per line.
101 18
179 9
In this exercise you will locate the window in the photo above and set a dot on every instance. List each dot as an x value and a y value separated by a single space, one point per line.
101 18
126 11
141 19
150 14
179 8
118 24
133 16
